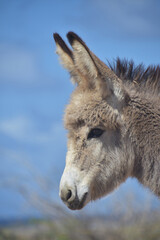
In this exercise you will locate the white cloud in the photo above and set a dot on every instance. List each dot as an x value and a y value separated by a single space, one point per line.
24 129
17 64
17 127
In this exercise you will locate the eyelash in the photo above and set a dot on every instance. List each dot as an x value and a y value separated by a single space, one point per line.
95 133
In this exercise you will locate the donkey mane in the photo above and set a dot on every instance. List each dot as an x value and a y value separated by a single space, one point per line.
147 77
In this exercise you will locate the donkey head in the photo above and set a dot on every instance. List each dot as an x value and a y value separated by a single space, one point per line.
95 161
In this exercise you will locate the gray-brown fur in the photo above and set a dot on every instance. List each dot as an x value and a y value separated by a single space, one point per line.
122 101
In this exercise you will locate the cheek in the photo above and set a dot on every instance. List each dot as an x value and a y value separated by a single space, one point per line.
97 149
96 152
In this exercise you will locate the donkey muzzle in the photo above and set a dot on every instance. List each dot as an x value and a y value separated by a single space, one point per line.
72 191
74 203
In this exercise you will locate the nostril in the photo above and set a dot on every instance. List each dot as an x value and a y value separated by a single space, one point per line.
69 194
66 195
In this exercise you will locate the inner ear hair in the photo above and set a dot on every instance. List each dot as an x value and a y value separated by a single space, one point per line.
62 44
83 57
67 58
72 37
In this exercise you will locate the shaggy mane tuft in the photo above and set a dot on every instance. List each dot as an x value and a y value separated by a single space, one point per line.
138 74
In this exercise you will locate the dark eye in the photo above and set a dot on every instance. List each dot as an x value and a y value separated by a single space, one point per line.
95 133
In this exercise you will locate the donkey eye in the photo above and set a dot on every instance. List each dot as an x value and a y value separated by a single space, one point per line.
95 133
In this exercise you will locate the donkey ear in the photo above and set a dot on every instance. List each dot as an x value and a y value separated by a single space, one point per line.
82 56
97 72
64 52
66 57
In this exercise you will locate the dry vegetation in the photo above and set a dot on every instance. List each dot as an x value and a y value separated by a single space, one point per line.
94 228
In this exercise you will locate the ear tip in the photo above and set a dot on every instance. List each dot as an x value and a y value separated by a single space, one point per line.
60 42
72 37
56 37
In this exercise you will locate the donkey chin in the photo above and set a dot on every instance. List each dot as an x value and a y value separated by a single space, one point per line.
74 194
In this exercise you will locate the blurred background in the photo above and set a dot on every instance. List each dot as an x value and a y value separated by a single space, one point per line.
34 90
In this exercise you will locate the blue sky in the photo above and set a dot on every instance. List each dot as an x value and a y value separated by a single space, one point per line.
34 88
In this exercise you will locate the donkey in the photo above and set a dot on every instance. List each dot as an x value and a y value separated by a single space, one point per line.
113 123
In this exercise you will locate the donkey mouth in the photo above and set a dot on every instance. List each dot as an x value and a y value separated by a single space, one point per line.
76 204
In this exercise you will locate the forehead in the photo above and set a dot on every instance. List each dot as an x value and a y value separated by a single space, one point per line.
88 108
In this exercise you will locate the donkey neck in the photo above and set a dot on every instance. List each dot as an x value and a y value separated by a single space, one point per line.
142 118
